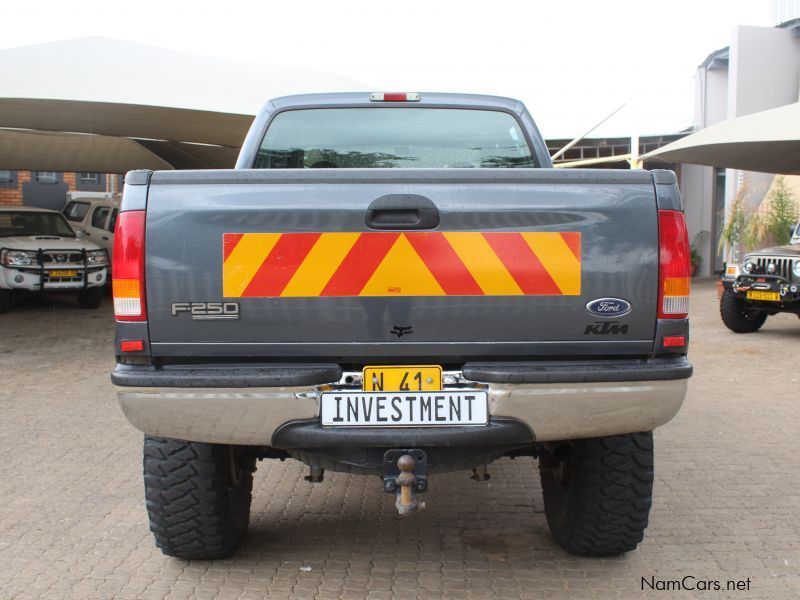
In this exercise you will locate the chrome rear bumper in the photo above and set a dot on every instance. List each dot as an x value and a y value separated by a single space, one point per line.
553 411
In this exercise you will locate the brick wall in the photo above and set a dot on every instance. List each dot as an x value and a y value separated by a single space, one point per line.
69 179
13 196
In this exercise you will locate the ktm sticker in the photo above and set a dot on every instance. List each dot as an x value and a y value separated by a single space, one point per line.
430 263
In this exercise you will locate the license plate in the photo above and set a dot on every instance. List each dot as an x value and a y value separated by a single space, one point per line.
404 409
63 273
760 295
402 379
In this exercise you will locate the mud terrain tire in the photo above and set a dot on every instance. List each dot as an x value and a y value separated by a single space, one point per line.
597 494
736 317
5 300
90 297
198 496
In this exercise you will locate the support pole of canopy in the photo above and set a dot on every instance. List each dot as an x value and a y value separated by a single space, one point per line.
579 138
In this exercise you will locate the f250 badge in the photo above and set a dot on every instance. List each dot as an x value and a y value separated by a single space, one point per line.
207 311
609 308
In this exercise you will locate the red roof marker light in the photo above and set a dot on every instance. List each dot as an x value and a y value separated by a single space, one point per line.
394 97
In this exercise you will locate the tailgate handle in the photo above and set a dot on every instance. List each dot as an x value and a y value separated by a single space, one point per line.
402 211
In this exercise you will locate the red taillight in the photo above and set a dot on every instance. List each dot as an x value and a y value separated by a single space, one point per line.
674 268
394 97
128 267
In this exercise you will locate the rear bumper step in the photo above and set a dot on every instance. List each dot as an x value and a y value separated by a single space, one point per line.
589 371
283 375
233 376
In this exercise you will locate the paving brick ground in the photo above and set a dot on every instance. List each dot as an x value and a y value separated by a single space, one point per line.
73 523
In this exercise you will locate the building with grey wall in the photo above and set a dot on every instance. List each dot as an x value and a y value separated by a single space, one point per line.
49 189
759 70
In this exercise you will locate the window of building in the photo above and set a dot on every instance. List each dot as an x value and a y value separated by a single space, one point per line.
46 177
6 176
89 177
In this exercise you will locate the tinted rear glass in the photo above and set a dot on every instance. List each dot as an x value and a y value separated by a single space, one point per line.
99 216
75 211
436 138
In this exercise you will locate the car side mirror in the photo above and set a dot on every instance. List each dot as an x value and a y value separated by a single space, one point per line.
79 234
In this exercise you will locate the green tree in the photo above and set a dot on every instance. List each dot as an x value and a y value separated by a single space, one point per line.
782 214
736 227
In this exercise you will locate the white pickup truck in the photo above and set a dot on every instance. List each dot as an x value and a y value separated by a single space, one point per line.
39 252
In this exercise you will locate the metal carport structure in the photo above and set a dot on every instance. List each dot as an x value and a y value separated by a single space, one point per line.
766 141
106 105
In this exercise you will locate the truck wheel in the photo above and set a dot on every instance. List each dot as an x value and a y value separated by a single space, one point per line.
198 496
737 317
90 297
5 300
597 494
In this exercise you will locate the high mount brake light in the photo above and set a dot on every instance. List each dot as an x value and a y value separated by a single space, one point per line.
128 267
394 97
674 270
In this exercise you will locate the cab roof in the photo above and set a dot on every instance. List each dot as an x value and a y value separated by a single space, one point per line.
426 99
27 209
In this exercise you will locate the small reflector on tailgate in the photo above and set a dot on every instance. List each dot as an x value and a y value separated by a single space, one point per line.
131 345
674 341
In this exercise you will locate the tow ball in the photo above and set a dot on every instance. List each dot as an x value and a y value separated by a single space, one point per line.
405 473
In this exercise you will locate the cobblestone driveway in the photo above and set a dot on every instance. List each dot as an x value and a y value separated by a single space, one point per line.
73 522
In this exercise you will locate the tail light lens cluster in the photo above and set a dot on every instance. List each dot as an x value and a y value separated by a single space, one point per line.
674 270
128 267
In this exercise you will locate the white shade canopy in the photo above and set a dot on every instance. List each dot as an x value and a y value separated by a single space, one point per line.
767 141
164 108
55 151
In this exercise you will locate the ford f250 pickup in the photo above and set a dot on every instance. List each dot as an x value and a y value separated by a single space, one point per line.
398 285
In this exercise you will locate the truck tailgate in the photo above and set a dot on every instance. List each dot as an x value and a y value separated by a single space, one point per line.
507 272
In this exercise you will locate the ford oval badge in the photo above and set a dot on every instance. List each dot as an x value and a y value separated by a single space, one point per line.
608 307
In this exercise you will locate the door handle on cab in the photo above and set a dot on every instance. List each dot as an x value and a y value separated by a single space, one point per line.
402 211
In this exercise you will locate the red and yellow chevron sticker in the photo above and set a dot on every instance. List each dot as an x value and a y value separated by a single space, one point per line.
430 263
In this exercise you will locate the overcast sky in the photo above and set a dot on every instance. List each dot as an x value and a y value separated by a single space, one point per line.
572 62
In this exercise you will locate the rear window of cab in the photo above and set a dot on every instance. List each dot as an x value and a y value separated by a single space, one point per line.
433 138
76 211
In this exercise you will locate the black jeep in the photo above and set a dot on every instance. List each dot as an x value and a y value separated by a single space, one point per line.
767 283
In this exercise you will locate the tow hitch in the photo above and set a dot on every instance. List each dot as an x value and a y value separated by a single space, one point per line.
405 472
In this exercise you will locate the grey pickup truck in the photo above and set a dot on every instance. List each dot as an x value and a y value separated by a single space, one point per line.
398 285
